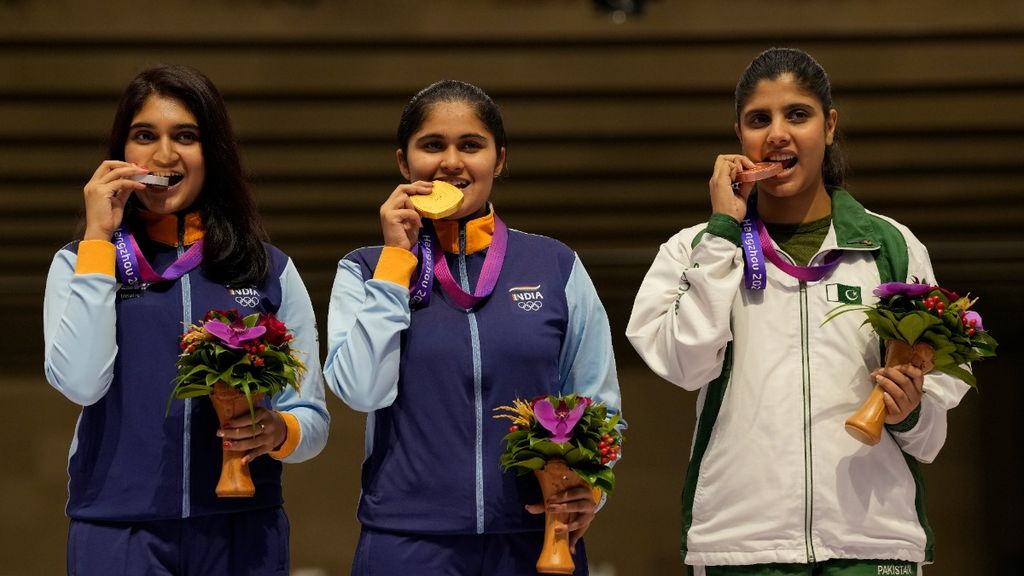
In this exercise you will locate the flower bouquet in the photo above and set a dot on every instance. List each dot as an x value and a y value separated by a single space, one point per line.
924 325
565 441
236 361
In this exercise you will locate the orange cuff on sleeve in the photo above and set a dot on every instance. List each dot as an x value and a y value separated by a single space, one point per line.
291 423
395 265
95 257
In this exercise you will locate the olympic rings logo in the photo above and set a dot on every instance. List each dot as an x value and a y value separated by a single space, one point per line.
248 301
531 305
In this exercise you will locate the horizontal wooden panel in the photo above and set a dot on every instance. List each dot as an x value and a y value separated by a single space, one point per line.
274 70
409 21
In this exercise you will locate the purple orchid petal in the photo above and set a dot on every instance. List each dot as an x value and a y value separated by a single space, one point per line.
232 335
575 414
972 315
559 421
890 289
545 414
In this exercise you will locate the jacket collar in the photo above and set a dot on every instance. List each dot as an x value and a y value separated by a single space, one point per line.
163 228
852 223
479 232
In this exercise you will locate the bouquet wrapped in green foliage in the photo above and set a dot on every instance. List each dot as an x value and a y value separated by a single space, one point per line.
571 428
250 354
916 313
923 325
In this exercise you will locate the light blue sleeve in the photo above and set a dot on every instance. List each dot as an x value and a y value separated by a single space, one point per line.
365 322
79 330
587 361
308 404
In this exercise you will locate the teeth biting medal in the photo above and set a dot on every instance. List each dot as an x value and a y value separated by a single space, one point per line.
760 171
445 200
152 180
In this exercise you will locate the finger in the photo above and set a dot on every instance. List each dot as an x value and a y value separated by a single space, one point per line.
249 419
407 217
123 173
124 187
916 376
234 430
256 453
576 535
569 494
905 379
107 166
419 187
892 408
535 508
573 506
891 387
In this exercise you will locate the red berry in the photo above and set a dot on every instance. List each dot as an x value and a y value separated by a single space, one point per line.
513 428
970 331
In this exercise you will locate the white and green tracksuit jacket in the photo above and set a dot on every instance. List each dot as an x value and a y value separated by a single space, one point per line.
773 475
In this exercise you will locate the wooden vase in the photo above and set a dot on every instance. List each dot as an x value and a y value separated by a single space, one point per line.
555 557
866 423
235 481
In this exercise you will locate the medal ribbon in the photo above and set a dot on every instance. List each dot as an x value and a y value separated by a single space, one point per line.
132 266
419 293
758 247
433 258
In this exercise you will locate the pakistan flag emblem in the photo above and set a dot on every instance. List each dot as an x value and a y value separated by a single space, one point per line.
843 294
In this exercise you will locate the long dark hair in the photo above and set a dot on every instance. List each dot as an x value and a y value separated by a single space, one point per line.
775 62
233 251
416 110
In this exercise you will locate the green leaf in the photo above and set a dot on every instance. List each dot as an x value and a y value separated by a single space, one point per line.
958 372
531 463
911 327
548 448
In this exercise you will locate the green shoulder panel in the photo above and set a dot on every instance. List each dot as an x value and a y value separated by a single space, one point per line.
892 260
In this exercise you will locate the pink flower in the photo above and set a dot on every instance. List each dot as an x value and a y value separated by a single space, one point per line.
972 316
232 335
561 420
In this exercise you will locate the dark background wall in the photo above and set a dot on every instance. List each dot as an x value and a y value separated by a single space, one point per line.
614 128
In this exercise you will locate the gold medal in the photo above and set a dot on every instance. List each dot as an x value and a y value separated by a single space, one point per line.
445 200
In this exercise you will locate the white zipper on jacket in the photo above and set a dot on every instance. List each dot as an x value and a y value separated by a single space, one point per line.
474 333
186 317
805 372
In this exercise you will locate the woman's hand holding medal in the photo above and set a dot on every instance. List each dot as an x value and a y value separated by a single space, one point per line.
400 215
399 220
105 196
733 179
